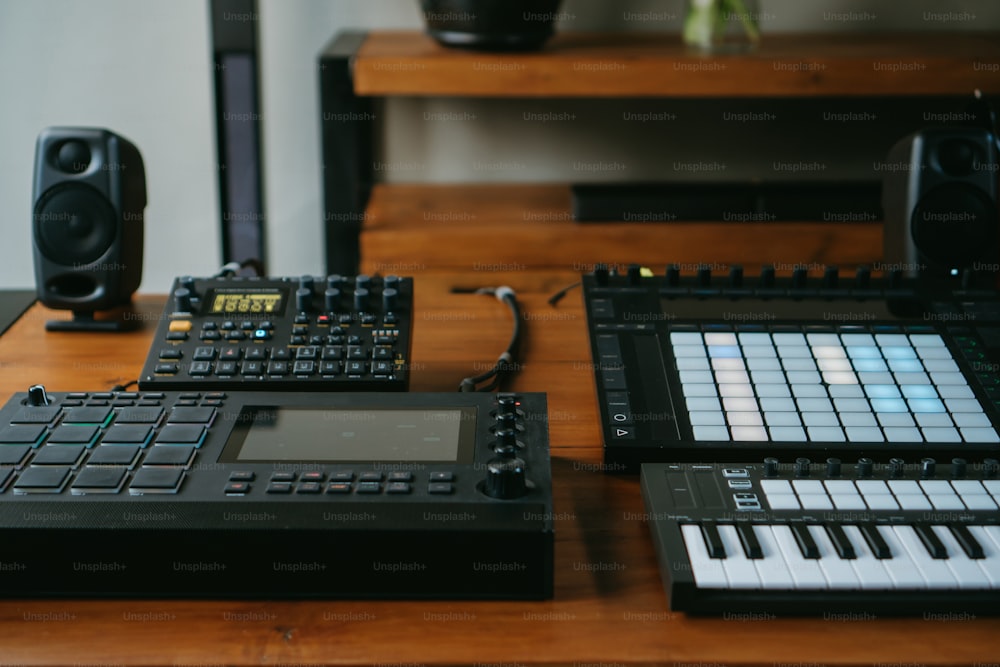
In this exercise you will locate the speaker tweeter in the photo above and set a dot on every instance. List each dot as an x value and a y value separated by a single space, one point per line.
87 225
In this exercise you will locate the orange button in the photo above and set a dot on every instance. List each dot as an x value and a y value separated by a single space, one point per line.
180 325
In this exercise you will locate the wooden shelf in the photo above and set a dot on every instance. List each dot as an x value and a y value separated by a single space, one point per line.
658 65
413 228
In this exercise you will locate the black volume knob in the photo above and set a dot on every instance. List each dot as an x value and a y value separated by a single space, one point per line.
634 275
390 299
673 277
704 276
958 468
601 275
802 467
506 405
506 440
335 281
307 282
331 299
362 281
833 467
862 277
770 467
303 299
505 476
865 466
391 281
927 467
895 279
799 278
506 421
830 277
896 468
767 276
182 300
360 299
37 395
187 282
736 276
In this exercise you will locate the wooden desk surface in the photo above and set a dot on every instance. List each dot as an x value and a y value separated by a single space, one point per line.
609 606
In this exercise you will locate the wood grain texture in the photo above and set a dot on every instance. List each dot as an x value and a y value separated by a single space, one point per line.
482 228
609 605
658 65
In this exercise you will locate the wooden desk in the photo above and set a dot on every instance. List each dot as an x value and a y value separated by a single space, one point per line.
609 606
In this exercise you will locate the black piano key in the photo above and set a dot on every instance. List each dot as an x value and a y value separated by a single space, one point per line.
840 541
970 545
805 541
934 546
712 540
751 547
878 546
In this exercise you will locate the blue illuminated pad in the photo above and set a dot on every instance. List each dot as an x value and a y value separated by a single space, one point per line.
826 387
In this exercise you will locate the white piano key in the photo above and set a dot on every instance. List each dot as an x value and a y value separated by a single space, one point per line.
774 572
755 363
783 501
837 571
708 572
966 570
979 434
805 572
901 568
787 433
728 365
990 563
740 571
871 573
692 364
935 571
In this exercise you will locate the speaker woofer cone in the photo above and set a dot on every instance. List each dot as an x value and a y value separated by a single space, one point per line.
74 224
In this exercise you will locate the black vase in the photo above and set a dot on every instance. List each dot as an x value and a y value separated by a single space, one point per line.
491 25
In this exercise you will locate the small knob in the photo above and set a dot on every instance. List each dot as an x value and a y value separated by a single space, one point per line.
862 277
307 282
331 299
958 468
506 439
506 421
799 278
673 277
335 281
967 278
896 468
865 466
770 467
601 275
390 299
831 275
767 276
37 395
704 276
505 477
303 299
187 282
927 467
182 300
360 299
833 467
990 468
391 281
507 405
895 279
802 467
634 274
362 281
736 276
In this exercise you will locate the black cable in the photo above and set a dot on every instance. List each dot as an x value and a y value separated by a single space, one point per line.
557 297
505 364
123 387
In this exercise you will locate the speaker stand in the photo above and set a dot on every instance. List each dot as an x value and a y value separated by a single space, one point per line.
84 320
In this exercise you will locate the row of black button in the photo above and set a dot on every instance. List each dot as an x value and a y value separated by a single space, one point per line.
279 368
103 479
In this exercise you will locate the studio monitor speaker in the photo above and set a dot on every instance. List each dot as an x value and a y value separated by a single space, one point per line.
87 223
940 202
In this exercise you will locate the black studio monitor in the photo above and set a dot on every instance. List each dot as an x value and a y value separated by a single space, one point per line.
87 224
941 207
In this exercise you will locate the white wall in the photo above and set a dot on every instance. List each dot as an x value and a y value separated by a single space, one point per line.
142 68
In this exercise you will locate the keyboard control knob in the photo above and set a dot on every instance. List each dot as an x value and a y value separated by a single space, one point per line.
391 281
506 439
767 276
307 282
601 275
830 277
802 467
506 421
331 299
833 467
736 276
505 476
704 276
335 281
362 281
303 299
799 278
187 282
896 468
865 466
634 275
390 299
37 396
958 468
895 279
862 277
990 468
770 467
673 278
506 405
927 467
361 299
182 300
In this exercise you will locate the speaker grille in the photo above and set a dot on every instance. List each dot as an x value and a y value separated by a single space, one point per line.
955 224
74 224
